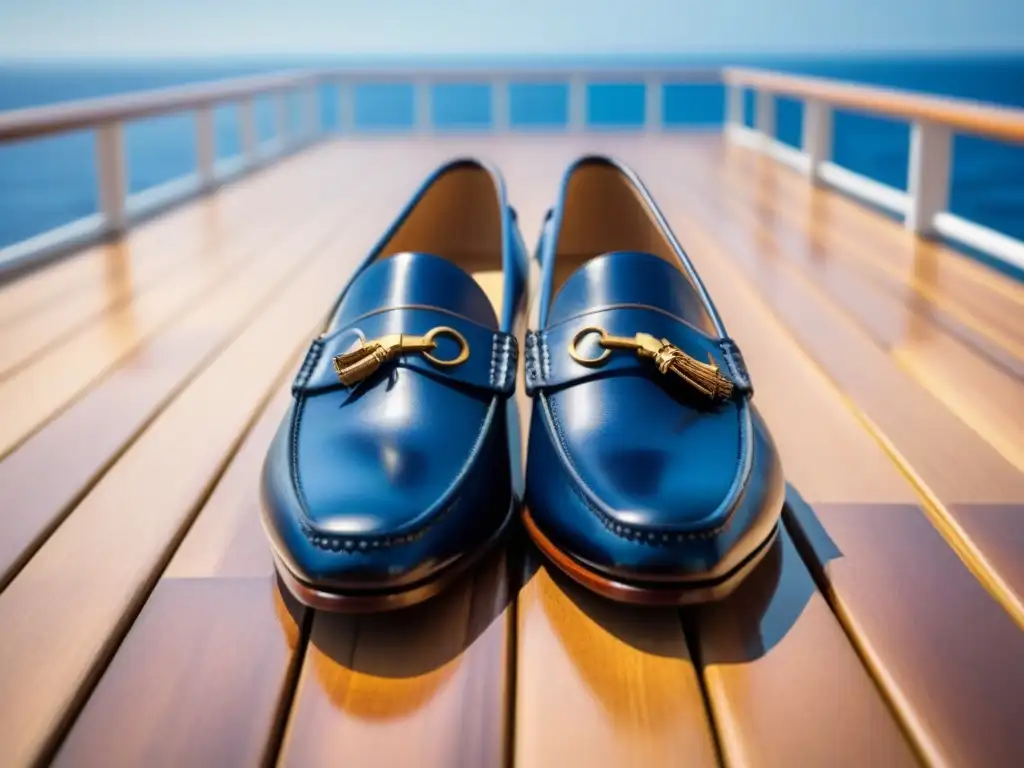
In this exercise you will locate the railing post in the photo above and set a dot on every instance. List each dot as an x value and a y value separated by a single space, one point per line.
733 107
423 113
112 174
311 113
928 176
577 116
247 127
206 148
501 118
817 136
765 118
281 132
654 110
346 106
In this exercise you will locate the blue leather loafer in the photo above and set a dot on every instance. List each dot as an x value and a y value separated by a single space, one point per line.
392 471
651 477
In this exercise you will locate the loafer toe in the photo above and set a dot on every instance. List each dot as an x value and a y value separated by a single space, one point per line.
656 517
401 512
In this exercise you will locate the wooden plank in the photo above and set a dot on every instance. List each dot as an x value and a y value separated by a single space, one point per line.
966 296
227 540
33 394
214 699
114 411
601 684
68 608
790 637
424 686
948 659
951 466
773 658
94 269
596 683
127 269
985 396
203 675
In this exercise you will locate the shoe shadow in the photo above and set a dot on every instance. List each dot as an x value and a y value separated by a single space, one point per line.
742 627
387 665
461 643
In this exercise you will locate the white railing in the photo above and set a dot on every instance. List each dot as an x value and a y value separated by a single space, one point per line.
933 121
106 117
924 205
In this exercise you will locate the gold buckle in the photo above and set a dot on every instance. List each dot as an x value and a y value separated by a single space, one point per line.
357 365
704 377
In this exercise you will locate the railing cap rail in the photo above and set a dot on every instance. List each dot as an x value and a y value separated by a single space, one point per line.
1006 123
86 113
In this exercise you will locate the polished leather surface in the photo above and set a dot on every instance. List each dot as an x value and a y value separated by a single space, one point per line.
629 472
382 484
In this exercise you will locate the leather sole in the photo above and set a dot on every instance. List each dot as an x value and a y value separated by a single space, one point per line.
381 600
661 594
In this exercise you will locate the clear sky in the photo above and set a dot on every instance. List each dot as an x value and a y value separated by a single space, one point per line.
402 28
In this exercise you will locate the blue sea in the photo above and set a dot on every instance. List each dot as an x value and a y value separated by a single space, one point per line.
48 182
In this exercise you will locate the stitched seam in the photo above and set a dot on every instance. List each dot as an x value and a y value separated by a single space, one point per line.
316 349
533 370
300 401
494 360
512 363
501 352
509 359
350 544
734 359
627 532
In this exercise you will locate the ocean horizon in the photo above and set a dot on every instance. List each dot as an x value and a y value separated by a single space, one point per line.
48 182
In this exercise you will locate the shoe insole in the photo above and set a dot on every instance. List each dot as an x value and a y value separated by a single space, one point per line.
492 281
458 218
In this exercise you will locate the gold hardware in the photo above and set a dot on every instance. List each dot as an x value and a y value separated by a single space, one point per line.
357 365
704 377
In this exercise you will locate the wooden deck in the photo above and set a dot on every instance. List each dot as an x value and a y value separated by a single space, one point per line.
140 384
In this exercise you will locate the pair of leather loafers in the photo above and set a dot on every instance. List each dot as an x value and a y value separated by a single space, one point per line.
650 476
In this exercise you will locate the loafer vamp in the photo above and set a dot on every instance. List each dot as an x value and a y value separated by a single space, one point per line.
635 526
375 463
374 534
381 482
657 467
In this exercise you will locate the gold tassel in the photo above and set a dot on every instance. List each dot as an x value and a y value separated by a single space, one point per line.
705 377
352 367
359 364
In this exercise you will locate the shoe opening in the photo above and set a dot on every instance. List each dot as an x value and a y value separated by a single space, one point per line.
458 217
